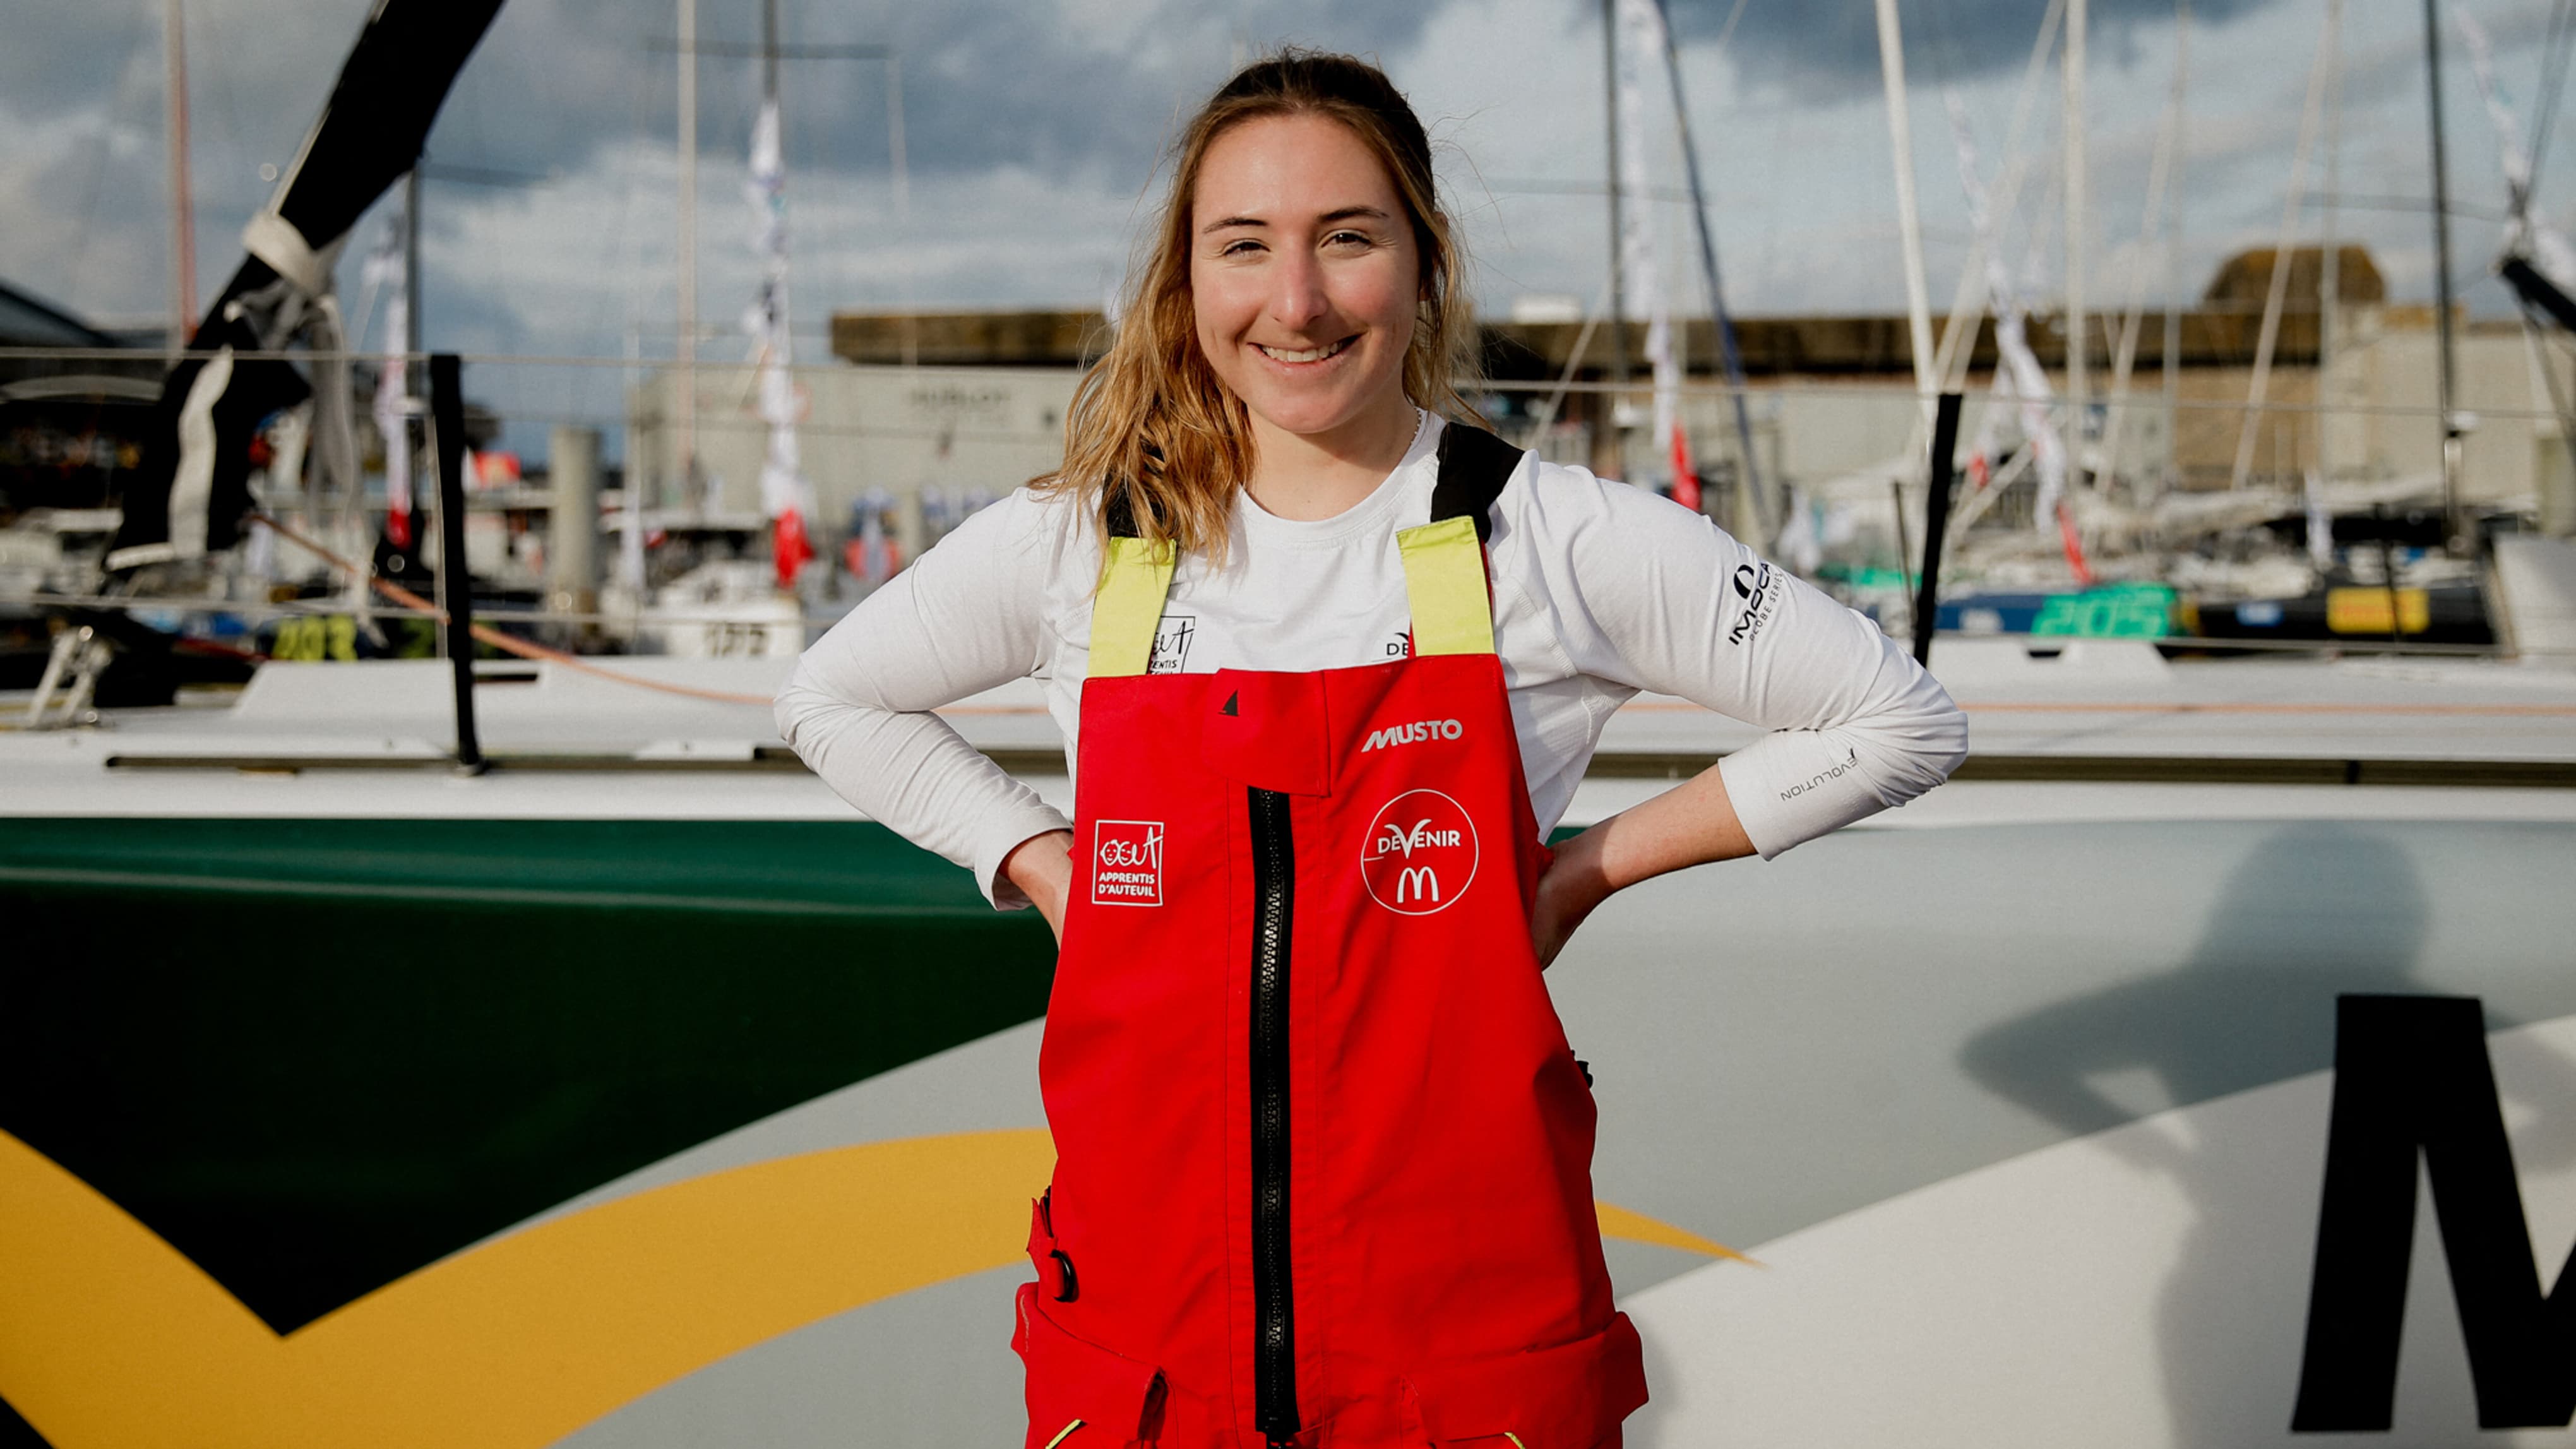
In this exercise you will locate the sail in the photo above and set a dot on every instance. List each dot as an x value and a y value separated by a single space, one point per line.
188 497
2539 262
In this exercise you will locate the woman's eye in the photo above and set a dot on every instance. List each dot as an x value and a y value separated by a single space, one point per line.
1347 239
1242 247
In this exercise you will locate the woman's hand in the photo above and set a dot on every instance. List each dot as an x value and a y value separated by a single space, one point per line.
1568 889
1042 867
1690 824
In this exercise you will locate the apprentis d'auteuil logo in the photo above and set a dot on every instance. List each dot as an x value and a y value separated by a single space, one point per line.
1127 863
1419 855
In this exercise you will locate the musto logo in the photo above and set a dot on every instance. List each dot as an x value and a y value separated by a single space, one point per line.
1127 863
1420 853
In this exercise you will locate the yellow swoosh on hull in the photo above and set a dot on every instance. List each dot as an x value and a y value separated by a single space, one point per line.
112 1339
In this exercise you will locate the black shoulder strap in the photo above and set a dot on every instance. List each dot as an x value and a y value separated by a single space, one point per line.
1118 510
1474 466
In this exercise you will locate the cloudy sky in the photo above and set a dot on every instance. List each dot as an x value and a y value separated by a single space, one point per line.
1034 129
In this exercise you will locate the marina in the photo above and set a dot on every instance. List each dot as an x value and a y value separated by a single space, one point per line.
448 1011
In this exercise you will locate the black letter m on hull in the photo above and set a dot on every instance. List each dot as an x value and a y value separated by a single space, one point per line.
2411 1073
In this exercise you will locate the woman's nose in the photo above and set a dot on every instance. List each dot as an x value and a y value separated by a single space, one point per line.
1297 291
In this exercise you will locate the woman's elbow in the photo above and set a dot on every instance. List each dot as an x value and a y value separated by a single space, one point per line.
1920 751
798 702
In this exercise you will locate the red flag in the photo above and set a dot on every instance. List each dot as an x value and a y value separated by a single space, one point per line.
1685 477
789 545
2074 545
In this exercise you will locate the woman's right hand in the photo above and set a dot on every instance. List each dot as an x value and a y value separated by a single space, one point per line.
1042 867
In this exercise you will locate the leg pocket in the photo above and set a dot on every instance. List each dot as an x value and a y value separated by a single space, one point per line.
1571 1396
1080 1395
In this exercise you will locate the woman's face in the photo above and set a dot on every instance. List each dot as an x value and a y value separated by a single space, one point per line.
1304 276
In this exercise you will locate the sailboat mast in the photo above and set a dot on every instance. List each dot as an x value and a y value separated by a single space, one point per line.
769 51
2330 256
2442 280
183 226
1618 234
1730 358
1909 224
2173 245
685 351
411 275
2077 212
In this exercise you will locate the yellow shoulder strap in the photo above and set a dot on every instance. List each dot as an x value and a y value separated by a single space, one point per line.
1444 581
1444 577
1129 607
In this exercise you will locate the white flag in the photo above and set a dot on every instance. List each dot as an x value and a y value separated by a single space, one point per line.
785 496
1641 37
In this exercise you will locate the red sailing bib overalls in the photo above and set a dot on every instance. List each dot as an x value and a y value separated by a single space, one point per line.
1323 1156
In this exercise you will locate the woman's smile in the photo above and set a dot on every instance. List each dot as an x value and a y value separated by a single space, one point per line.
1303 356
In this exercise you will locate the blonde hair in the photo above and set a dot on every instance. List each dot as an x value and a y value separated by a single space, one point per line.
1151 427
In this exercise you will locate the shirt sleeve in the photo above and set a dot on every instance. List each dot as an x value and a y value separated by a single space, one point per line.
966 617
1666 601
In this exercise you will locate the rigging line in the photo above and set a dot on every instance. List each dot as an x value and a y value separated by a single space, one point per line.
1546 417
1968 303
117 97
506 643
2534 328
1726 32
2150 224
2413 205
2277 292
2553 81
627 250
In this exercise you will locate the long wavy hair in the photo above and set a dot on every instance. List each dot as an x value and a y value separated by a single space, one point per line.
1150 424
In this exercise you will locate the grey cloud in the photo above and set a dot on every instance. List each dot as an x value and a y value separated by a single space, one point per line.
1829 48
986 82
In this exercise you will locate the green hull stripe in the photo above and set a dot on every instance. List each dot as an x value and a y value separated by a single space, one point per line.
315 1055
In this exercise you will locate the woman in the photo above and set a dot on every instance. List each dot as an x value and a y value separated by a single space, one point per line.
1330 662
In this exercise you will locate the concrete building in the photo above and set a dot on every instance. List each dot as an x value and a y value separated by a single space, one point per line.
947 405
916 440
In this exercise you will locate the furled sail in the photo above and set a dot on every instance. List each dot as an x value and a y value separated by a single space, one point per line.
189 495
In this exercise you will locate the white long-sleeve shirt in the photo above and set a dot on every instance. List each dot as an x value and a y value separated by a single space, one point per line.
1601 591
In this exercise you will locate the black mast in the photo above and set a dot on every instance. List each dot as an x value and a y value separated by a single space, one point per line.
2451 525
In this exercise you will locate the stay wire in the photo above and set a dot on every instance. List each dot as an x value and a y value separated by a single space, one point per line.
2553 83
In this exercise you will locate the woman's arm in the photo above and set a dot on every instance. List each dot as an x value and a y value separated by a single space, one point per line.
1690 824
1654 596
967 616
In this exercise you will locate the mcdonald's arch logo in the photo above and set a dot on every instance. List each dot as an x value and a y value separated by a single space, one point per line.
1419 855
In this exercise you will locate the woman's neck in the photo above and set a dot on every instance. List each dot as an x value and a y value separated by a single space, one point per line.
1310 477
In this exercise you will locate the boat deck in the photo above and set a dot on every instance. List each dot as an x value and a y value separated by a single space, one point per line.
374 739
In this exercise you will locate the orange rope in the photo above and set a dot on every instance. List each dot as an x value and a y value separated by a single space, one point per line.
506 643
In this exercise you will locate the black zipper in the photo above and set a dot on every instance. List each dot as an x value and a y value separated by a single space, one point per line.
1274 1326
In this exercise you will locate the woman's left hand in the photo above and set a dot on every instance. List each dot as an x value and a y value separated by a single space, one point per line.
1689 824
1568 889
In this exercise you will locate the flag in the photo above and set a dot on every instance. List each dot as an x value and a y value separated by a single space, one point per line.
386 269
785 495
1641 35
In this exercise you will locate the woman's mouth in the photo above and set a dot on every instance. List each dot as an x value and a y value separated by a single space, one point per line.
1305 354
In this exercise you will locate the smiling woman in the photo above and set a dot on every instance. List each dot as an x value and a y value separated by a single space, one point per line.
1329 659
1305 294
1305 280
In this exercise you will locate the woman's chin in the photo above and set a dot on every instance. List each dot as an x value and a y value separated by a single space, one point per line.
1320 419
